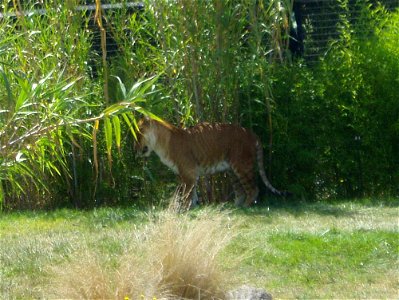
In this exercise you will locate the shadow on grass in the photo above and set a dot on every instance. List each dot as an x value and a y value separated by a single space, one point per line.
336 208
107 216
98 217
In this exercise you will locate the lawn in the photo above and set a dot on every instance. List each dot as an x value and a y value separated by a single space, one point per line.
319 250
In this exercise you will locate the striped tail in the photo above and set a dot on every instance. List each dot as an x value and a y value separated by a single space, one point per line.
259 156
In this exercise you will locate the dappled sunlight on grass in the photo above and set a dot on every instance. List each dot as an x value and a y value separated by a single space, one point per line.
167 256
320 217
321 250
344 250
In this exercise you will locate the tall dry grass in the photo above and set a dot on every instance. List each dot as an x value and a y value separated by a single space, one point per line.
173 257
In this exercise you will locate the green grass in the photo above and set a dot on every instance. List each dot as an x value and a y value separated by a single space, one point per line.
344 250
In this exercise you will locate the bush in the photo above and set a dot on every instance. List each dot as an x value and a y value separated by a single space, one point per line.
338 121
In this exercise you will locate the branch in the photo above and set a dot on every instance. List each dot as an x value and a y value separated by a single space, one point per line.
34 131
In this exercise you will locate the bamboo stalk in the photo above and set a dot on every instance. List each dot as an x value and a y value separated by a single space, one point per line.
21 18
98 18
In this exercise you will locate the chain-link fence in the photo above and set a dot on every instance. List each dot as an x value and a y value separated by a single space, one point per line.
317 23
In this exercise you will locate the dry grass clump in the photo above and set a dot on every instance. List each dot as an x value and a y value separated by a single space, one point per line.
174 257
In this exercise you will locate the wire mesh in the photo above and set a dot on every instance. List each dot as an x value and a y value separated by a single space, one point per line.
320 21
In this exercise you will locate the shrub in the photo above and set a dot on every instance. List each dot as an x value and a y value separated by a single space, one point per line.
338 121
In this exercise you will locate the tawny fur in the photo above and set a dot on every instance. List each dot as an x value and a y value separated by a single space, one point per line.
206 149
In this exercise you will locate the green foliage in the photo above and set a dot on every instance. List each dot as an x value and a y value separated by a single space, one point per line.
36 127
44 91
329 130
338 121
205 50
49 106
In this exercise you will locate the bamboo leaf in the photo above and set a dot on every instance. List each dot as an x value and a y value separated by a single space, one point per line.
43 80
68 85
135 92
95 157
23 94
148 114
10 97
108 136
121 86
136 126
19 157
129 124
1 196
133 120
114 109
117 131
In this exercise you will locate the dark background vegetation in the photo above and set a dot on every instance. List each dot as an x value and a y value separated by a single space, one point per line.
316 80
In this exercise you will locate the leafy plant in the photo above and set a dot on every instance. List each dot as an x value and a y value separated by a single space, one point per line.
336 113
209 61
33 140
